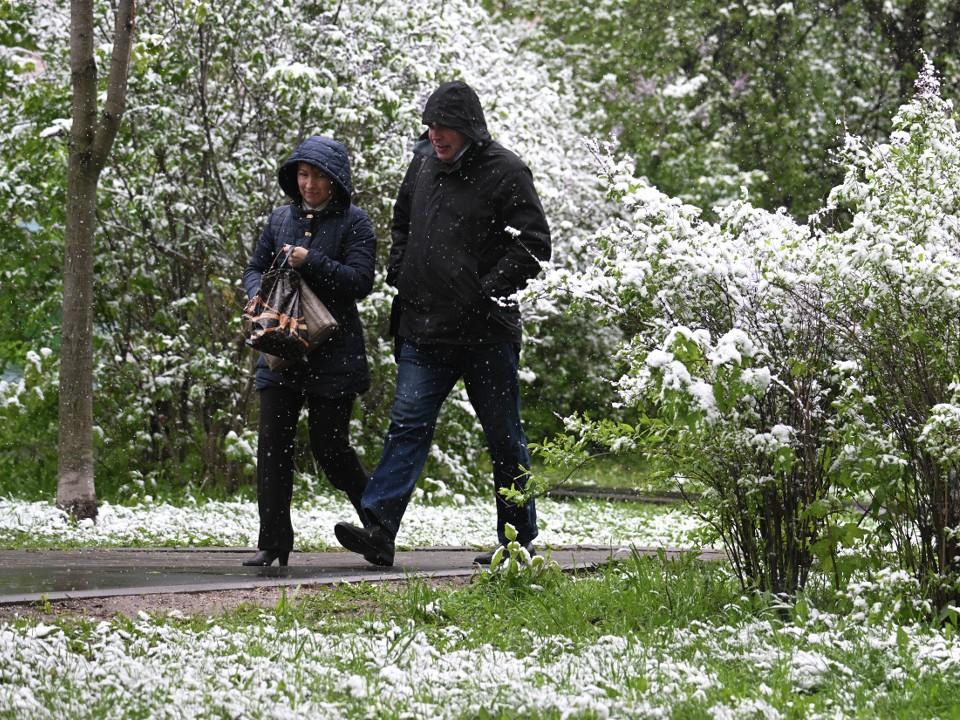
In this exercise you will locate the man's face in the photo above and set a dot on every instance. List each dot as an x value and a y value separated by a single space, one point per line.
446 141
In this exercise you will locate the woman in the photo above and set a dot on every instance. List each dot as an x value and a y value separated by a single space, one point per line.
331 243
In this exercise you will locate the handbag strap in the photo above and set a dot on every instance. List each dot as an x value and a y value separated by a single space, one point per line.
286 256
279 252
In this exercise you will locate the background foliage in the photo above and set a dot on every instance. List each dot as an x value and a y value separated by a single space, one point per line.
219 96
759 292
709 97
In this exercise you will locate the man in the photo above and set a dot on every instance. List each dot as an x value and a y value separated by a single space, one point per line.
468 233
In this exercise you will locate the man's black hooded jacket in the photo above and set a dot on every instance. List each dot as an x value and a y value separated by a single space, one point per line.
466 235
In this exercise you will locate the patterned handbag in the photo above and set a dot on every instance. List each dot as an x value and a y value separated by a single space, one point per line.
274 316
320 325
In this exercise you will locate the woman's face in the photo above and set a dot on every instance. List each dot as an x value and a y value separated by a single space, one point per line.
315 185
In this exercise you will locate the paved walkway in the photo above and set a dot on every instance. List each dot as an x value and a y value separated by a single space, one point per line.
32 575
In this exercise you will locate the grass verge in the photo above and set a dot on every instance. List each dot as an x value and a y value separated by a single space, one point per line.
648 637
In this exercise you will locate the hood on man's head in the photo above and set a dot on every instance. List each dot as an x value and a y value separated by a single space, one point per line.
456 105
330 157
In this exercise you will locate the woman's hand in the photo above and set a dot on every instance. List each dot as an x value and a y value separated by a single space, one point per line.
298 257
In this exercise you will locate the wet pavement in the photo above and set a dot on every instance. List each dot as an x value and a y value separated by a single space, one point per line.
34 575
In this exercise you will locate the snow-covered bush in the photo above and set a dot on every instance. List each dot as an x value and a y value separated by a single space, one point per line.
783 368
726 365
896 307
220 93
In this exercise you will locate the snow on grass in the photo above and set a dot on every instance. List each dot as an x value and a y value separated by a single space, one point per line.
267 669
235 524
823 665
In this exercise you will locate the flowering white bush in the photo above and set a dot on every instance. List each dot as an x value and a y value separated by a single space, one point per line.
896 307
219 96
784 367
728 359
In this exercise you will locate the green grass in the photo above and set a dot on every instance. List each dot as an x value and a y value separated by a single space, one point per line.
619 599
608 471
645 637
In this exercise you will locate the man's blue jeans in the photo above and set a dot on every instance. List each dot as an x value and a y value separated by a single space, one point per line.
425 376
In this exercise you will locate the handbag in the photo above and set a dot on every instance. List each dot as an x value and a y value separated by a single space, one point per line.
320 325
285 319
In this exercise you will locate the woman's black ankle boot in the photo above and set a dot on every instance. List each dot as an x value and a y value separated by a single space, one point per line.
266 557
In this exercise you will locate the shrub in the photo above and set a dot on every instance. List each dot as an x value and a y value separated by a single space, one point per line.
896 310
786 369
219 95
726 364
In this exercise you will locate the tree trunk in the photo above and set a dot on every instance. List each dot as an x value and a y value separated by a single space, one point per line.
91 138
75 486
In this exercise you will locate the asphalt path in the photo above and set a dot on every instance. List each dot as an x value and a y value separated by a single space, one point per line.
35 575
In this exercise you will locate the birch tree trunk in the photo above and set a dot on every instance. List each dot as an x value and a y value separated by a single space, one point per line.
91 137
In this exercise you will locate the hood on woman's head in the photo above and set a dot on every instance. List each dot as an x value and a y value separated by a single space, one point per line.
330 157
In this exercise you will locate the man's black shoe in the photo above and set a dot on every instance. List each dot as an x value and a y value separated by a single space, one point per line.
487 557
371 542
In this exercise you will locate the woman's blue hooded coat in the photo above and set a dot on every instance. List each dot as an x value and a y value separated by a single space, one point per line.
339 269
